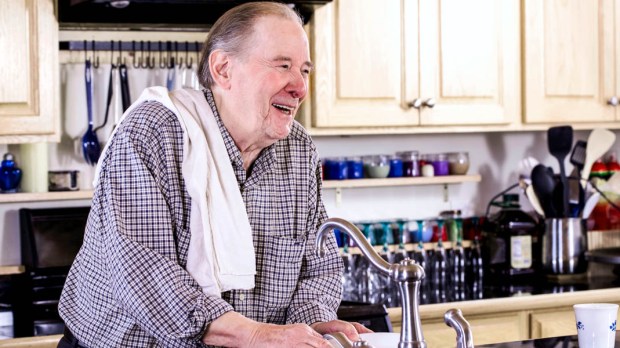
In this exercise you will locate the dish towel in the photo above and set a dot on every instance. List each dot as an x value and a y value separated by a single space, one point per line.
221 252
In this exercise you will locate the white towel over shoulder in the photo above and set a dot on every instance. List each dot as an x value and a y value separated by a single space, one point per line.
221 252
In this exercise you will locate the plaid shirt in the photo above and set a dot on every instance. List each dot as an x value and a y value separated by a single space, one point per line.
128 286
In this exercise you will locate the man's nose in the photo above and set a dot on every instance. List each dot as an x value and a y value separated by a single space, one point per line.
298 85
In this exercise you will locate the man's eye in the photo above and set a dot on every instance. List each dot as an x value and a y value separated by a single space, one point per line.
285 66
306 71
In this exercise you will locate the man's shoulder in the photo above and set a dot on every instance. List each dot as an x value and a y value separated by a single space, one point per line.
149 115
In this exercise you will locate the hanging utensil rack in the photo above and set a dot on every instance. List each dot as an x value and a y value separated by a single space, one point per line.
135 46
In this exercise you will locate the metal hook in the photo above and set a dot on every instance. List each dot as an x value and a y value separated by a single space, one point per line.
112 53
121 59
143 62
135 54
150 61
170 55
189 61
85 51
180 61
162 60
95 56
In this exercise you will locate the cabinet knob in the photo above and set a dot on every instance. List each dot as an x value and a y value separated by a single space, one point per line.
416 103
613 101
430 102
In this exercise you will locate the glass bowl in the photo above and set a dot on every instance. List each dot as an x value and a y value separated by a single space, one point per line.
458 163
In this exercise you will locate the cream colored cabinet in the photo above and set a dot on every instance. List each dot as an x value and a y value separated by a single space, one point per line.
486 329
553 323
415 63
571 61
29 81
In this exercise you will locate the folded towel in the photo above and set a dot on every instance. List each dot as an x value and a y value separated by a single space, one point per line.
221 253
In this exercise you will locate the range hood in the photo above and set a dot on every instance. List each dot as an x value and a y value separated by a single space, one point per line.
155 14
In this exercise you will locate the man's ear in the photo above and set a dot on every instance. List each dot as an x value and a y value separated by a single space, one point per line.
219 66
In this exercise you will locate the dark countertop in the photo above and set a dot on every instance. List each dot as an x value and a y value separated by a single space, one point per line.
554 342
491 289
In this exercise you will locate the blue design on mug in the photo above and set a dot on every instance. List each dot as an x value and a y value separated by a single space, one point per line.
613 326
580 326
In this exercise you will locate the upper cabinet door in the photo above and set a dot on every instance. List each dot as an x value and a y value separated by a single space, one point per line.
469 61
362 76
416 63
29 87
569 60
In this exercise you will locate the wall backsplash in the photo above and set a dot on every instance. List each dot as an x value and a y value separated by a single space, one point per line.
495 156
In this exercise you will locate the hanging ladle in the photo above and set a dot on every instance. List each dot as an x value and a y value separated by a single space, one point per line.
90 143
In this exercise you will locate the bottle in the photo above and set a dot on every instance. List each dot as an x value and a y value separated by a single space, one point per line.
457 272
475 270
10 174
349 284
510 242
421 258
438 270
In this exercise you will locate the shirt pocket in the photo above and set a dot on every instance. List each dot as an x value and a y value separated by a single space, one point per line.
281 269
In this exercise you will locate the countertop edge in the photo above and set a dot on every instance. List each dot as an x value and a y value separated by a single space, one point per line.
515 303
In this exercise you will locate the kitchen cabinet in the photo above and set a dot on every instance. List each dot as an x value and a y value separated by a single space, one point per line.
29 98
552 323
486 329
571 61
415 63
507 319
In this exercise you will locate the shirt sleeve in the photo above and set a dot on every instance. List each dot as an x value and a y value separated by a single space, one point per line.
319 290
141 215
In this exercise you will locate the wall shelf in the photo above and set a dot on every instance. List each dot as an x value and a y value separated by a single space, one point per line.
435 180
22 197
8 270
338 185
45 196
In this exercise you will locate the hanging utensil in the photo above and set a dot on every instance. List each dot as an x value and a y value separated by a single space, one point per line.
599 141
90 143
560 142
544 185
126 98
575 190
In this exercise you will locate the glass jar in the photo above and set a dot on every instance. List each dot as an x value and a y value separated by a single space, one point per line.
396 167
411 166
458 163
336 168
377 166
440 164
355 167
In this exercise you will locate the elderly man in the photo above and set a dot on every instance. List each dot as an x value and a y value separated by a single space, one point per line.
206 208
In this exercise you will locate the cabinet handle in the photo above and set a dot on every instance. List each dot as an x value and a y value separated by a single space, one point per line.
430 102
416 103
613 101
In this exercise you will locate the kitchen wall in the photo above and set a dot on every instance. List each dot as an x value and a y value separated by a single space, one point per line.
495 156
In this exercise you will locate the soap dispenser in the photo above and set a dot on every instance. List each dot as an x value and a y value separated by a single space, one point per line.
10 174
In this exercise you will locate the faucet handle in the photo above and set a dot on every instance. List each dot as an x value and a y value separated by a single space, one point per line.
464 336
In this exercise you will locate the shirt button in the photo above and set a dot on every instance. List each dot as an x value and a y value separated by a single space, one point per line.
241 297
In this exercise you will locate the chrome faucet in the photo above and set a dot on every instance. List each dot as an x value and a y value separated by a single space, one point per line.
407 274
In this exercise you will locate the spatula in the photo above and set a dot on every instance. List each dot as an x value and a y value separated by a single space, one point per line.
599 141
560 142
544 185
575 191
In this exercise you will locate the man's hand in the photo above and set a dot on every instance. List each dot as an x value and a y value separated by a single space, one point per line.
234 330
350 329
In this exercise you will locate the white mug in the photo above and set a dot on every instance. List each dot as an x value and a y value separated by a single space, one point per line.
596 324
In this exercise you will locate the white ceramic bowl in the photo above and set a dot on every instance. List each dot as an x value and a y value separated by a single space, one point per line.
382 339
